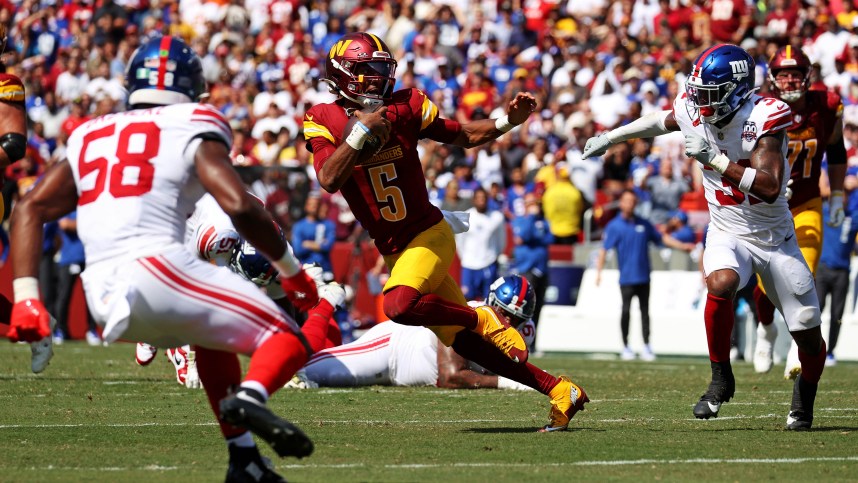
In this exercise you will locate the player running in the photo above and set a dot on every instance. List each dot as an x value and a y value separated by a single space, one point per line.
739 139
402 355
816 131
134 178
376 167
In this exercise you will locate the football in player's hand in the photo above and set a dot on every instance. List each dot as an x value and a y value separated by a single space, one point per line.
372 143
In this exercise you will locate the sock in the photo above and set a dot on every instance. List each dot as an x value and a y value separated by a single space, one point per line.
405 305
244 440
765 307
317 327
812 365
258 388
472 347
276 361
719 317
219 371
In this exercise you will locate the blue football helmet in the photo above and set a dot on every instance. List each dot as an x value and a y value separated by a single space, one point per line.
514 295
252 265
164 71
721 80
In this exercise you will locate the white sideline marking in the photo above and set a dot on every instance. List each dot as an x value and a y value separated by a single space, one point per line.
105 468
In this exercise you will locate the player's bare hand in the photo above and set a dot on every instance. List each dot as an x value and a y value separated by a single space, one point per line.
377 123
521 108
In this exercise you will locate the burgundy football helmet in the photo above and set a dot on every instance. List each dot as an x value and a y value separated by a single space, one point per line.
789 89
360 67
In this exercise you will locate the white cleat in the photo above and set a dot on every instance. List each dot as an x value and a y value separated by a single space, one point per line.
793 365
647 354
145 353
192 378
627 354
766 335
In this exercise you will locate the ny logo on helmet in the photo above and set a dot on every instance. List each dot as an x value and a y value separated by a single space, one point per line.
740 69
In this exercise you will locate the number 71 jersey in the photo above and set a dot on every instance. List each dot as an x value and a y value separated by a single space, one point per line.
730 210
136 179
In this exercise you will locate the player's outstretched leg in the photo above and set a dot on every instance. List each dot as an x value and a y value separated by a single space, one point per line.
719 318
567 398
804 389
406 305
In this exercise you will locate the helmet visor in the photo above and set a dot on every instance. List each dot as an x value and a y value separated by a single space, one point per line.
375 69
707 95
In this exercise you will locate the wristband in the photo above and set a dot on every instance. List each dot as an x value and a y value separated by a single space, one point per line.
720 162
747 180
25 288
358 136
837 194
502 124
288 265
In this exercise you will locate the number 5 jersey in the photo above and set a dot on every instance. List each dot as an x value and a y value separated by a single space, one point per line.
136 179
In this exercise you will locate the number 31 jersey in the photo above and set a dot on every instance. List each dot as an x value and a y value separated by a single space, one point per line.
135 177
732 211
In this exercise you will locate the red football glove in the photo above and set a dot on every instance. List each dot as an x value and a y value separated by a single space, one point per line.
30 321
301 290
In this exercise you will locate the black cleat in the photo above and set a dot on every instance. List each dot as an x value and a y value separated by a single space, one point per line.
245 409
246 465
720 390
800 416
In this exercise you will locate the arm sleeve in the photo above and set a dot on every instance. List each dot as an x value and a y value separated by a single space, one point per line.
432 126
610 241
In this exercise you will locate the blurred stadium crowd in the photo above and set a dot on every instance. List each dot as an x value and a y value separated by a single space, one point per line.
593 65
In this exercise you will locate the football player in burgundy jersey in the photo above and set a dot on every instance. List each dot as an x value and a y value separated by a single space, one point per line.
816 132
13 145
739 140
376 167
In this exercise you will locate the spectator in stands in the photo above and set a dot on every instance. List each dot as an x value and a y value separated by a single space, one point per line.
479 247
631 236
69 267
666 192
452 201
532 236
313 236
678 229
563 206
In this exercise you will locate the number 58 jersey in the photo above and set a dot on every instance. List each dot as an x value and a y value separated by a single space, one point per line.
732 211
136 179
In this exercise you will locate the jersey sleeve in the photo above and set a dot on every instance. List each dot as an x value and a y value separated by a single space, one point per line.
432 125
11 89
208 122
611 237
320 140
775 115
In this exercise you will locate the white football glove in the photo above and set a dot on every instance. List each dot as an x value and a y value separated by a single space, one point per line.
698 147
788 192
835 206
334 293
192 378
596 146
315 272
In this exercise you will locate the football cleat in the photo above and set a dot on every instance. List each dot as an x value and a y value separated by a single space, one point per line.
567 398
246 465
494 328
766 335
92 338
800 416
246 409
145 353
647 354
721 389
793 366
627 354
41 353
830 360
301 381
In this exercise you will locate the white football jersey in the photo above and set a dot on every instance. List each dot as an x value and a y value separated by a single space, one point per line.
210 233
731 210
135 177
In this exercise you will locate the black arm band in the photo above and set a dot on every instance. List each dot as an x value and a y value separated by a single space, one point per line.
836 153
15 145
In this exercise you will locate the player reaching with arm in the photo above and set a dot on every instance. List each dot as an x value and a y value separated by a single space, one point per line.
816 132
134 178
740 141
371 157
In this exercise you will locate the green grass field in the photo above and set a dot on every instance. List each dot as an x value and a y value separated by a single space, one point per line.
94 415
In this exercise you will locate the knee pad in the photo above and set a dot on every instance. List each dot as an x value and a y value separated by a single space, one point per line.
399 301
806 317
